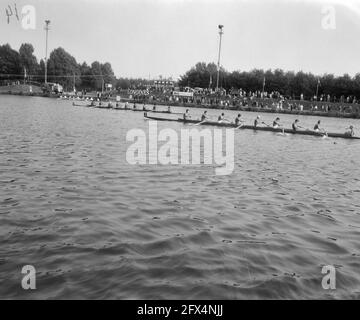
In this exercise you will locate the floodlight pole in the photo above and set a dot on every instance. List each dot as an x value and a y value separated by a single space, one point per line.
47 22
218 64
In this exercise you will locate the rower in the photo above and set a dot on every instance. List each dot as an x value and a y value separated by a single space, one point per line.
295 125
256 121
187 115
238 120
222 118
134 106
204 116
154 107
169 109
317 126
144 108
350 131
276 123
318 129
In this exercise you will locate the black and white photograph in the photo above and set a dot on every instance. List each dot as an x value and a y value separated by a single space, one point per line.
179 150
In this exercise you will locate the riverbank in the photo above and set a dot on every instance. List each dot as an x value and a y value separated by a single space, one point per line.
23 90
334 114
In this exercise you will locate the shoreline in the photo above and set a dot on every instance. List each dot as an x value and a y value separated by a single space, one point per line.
332 114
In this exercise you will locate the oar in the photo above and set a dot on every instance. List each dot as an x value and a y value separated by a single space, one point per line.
224 120
239 126
306 129
323 131
283 129
201 122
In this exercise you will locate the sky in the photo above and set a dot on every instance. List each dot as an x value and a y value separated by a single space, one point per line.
149 38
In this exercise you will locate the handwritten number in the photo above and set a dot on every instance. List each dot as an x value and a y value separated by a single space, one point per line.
9 12
16 12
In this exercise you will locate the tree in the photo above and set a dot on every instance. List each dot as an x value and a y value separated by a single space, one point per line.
86 76
10 63
97 80
123 83
27 58
199 76
289 84
108 73
41 71
63 68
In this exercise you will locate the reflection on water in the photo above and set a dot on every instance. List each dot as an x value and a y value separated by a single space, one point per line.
96 227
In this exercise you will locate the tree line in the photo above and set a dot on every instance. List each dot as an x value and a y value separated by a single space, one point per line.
65 70
62 68
288 83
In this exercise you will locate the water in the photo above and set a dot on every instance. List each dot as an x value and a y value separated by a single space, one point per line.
96 227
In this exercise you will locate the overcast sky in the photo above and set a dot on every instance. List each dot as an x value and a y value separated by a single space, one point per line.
166 37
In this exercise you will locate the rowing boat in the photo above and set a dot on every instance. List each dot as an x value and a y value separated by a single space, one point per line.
269 129
105 106
80 105
141 110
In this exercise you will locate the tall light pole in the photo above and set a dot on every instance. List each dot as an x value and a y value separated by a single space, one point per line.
218 64
317 89
47 22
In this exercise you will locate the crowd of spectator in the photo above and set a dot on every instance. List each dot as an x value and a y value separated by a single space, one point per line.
239 98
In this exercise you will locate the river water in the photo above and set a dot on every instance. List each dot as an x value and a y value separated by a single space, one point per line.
97 227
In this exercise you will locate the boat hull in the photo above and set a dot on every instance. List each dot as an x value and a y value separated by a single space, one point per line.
248 127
